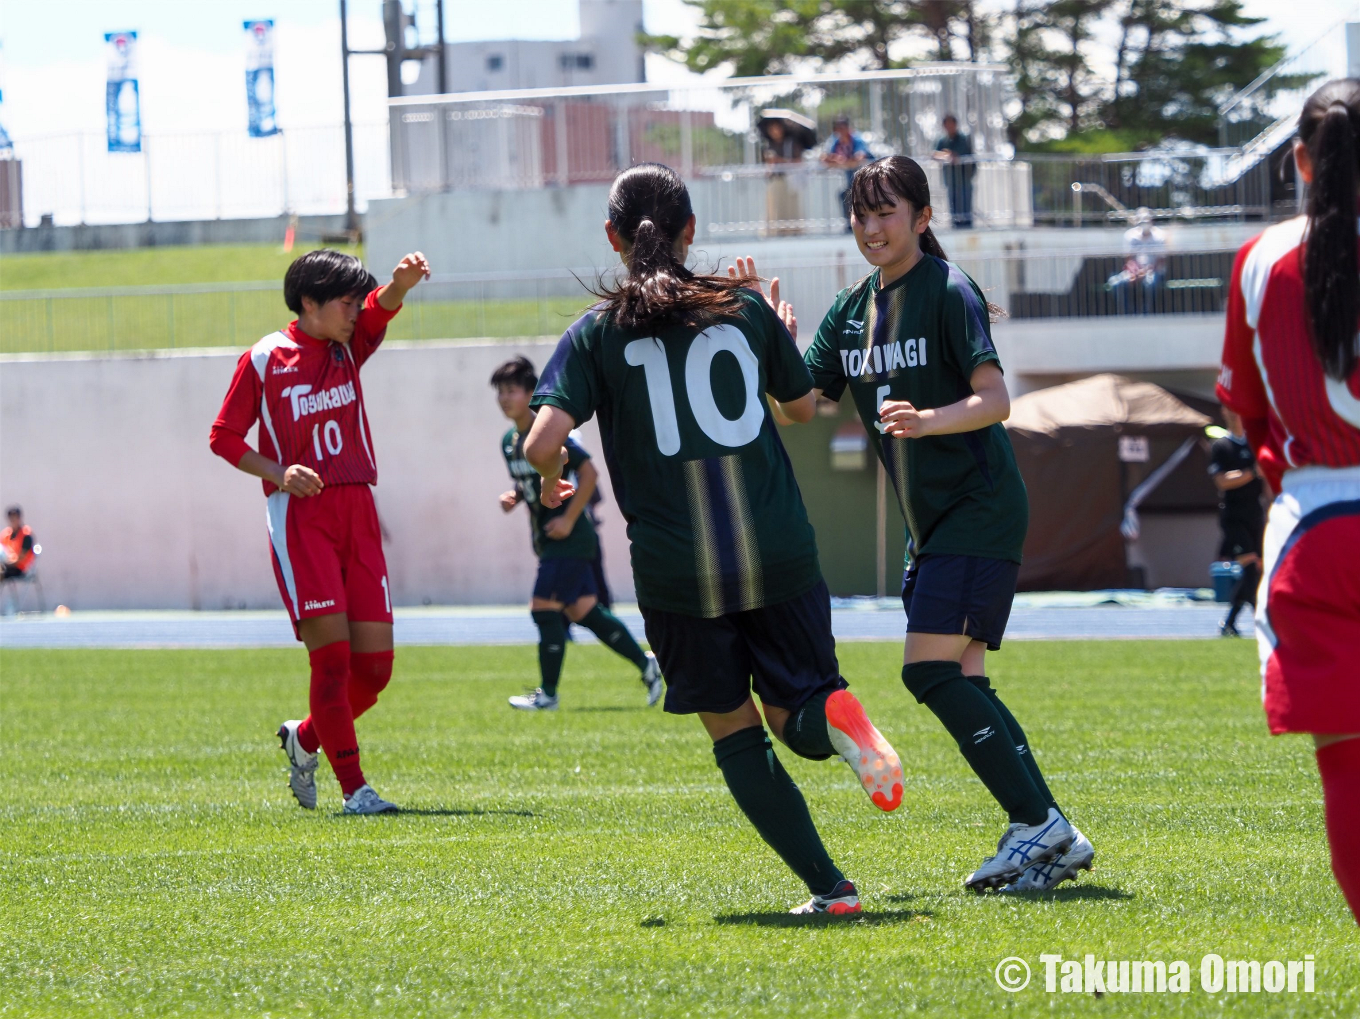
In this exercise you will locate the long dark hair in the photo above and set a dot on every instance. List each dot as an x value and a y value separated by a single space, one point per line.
649 207
888 181
1329 126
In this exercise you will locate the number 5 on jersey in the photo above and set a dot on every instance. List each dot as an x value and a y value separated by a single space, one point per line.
650 355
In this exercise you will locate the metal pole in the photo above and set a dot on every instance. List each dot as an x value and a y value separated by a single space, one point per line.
442 78
881 527
351 219
146 157
443 75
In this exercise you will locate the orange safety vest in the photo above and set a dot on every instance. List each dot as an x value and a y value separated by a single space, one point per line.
14 541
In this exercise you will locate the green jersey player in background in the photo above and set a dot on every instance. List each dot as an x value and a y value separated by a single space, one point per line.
568 549
677 366
912 343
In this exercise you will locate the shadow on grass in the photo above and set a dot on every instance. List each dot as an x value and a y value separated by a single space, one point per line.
449 812
869 918
1073 893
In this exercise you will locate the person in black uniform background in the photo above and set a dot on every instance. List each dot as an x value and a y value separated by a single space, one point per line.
1232 465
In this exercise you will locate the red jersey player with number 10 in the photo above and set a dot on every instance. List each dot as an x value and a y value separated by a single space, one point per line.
316 458
1291 369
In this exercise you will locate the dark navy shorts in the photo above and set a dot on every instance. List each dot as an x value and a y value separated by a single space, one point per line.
962 594
565 580
785 651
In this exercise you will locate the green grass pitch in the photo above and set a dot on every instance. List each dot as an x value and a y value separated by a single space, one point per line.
590 862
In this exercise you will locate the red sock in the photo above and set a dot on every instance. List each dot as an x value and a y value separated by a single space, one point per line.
1339 765
369 674
331 717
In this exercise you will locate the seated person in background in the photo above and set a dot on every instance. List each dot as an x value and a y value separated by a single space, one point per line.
1232 465
848 151
1144 270
17 542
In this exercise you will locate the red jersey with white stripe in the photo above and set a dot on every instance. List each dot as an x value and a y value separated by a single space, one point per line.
1295 414
308 399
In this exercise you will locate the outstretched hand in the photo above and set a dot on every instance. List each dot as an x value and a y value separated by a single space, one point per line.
556 491
745 270
411 270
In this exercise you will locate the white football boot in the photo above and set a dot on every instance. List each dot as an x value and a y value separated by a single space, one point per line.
843 900
301 765
870 756
365 800
1022 846
536 701
1043 876
651 677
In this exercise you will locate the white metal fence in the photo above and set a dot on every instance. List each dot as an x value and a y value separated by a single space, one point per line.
205 175
532 138
515 305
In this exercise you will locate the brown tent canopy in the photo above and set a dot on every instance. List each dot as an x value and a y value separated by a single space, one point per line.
1083 448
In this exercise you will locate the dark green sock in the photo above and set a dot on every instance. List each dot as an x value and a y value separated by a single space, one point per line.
605 625
982 735
805 731
552 648
1022 746
771 802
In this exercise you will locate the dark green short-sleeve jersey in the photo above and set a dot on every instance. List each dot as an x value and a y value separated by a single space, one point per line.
582 542
715 518
920 339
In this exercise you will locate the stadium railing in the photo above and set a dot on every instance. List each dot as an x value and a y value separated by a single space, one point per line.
73 178
1026 284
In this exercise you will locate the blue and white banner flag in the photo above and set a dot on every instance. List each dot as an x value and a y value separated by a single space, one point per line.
260 78
121 99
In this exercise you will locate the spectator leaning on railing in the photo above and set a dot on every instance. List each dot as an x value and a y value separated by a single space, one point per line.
848 151
955 149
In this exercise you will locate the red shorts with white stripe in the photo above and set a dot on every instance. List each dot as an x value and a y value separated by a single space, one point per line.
1308 622
328 556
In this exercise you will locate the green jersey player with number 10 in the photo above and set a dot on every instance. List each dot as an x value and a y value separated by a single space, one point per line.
912 343
677 367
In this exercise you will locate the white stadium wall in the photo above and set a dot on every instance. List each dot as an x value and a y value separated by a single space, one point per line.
109 459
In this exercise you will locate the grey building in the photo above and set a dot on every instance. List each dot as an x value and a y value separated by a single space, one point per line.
607 53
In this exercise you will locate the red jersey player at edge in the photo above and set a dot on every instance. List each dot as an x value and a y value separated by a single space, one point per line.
316 458
1291 369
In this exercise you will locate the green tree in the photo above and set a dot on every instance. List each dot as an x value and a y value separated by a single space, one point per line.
758 37
1177 62
1048 45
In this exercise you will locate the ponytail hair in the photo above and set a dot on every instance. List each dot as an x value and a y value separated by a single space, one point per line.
1329 127
649 207
888 181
